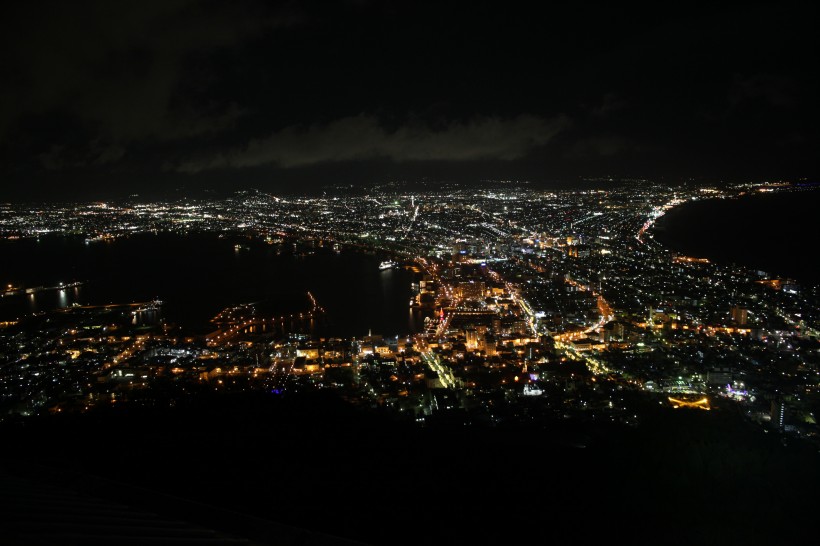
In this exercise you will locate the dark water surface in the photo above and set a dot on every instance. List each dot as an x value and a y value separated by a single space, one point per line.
196 276
776 233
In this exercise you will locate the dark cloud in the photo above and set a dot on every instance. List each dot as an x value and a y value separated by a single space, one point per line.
61 157
117 66
604 146
773 90
610 104
195 89
364 138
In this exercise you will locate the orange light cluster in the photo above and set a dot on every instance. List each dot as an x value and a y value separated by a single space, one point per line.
701 403
689 259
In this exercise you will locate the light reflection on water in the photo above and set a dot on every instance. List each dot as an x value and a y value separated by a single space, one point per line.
197 276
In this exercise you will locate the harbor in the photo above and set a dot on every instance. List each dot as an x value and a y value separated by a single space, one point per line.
12 290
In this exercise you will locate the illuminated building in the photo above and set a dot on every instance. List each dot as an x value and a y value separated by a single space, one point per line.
739 315
472 338
778 413
719 376
471 290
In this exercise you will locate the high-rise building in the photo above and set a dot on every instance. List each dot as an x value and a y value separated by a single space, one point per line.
739 315
778 413
472 338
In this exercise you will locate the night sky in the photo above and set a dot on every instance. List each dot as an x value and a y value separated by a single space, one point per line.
110 99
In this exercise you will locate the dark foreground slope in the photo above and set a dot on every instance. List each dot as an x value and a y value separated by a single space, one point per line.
314 463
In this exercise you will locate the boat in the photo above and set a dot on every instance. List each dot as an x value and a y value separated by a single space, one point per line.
387 264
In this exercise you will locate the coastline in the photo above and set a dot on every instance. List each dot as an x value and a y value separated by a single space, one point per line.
765 231
176 268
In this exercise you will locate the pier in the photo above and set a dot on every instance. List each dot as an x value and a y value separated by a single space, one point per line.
229 331
18 291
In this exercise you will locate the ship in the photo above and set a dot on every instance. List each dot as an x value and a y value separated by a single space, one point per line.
387 264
